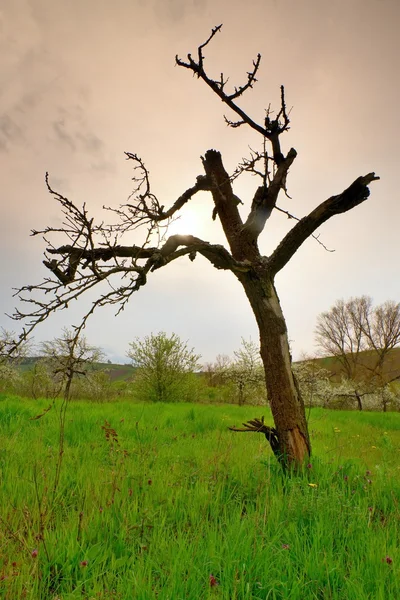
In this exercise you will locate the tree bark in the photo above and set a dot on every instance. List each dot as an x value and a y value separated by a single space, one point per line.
241 394
359 401
258 282
284 396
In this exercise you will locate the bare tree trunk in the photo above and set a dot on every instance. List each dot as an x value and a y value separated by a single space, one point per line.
241 394
359 401
287 405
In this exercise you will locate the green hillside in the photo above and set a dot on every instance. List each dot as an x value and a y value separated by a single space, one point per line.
115 371
367 360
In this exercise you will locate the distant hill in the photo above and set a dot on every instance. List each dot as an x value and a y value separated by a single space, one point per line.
119 372
368 359
116 372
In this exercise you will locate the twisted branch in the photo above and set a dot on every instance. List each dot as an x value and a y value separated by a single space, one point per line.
258 426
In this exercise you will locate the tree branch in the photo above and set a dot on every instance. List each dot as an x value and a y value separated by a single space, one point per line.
316 237
354 195
272 127
144 207
265 198
219 257
258 426
75 274
226 203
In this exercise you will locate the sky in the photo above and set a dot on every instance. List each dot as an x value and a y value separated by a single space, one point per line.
83 81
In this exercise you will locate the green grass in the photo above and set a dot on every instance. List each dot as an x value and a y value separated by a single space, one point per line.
180 498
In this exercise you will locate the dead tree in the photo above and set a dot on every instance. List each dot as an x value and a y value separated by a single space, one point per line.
92 254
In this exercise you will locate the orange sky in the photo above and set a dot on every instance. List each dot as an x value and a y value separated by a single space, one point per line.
83 81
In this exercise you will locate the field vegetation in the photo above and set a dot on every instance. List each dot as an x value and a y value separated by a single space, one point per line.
162 501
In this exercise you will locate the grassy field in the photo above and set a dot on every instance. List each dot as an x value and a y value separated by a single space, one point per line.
162 501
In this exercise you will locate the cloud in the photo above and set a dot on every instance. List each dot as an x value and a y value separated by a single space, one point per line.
9 132
60 130
174 11
82 81
42 98
72 128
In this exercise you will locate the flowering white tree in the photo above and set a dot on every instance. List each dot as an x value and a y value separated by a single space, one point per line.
362 338
246 372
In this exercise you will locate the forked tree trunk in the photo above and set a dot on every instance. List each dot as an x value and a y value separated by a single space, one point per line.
284 395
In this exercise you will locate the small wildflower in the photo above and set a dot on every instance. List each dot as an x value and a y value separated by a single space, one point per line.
84 563
373 447
34 553
388 560
285 547
313 485
309 466
370 508
213 581
149 481
368 472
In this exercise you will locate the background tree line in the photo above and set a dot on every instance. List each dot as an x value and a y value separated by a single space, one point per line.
359 368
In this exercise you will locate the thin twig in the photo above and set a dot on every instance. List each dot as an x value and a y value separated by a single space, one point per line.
291 216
